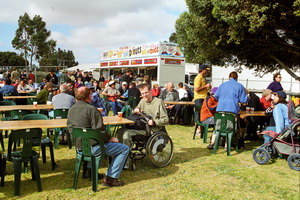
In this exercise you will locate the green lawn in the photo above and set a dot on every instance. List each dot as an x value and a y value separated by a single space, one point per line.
194 173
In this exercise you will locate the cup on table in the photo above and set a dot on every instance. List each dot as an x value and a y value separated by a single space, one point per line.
49 102
100 110
248 109
35 104
120 114
251 110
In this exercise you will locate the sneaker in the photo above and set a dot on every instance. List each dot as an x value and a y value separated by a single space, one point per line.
112 182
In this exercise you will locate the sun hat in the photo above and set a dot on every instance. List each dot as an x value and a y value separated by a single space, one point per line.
111 82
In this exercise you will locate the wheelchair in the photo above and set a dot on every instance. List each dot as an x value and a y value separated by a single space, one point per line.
156 147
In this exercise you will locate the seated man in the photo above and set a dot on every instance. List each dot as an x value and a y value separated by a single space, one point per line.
170 94
42 96
83 114
151 106
112 94
8 89
23 87
97 101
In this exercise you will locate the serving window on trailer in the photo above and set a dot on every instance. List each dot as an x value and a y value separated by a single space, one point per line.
162 61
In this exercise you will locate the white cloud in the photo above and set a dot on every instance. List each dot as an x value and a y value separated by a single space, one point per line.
100 24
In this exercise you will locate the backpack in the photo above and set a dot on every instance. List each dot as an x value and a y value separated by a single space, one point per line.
139 122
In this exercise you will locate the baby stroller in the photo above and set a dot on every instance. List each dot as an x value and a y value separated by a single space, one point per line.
156 147
287 142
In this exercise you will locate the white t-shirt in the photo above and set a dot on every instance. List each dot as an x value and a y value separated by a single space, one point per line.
182 93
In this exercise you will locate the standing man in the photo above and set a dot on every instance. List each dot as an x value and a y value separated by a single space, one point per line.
127 77
151 106
14 75
101 81
200 89
51 77
275 86
83 114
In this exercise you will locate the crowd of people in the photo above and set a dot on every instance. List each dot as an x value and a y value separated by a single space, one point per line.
82 95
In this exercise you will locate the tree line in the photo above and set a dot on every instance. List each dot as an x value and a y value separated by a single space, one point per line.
32 40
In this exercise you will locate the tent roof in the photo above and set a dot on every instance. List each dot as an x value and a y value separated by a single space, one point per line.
85 67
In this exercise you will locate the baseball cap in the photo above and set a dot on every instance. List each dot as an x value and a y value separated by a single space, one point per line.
202 67
281 94
124 83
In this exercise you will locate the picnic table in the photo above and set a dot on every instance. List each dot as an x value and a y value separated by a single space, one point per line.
244 114
18 97
54 123
26 107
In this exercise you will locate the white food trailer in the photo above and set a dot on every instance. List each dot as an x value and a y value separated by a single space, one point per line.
162 61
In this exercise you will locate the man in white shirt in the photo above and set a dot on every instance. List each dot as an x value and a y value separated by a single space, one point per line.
23 87
182 92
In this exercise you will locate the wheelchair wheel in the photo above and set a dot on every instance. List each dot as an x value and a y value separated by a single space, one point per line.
261 156
294 161
159 149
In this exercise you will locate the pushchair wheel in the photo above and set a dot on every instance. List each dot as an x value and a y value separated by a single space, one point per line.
261 156
159 149
294 161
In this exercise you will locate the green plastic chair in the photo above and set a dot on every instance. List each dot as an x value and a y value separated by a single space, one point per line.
223 130
61 114
198 123
85 155
19 114
44 142
5 117
133 101
27 154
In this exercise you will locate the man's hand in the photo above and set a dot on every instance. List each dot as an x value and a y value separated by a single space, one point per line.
151 122
113 139
137 110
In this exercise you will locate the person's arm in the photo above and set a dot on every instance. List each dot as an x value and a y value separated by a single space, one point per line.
163 116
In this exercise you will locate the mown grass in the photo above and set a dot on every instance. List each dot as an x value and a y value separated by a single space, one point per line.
194 173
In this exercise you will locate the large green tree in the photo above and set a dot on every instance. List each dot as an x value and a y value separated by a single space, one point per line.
11 59
32 38
58 58
263 35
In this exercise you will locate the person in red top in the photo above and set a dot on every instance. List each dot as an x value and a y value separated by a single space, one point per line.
207 113
155 91
266 100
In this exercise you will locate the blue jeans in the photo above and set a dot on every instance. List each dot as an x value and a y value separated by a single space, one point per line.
115 106
266 137
118 151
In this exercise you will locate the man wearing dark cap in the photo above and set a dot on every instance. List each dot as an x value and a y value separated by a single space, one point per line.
200 88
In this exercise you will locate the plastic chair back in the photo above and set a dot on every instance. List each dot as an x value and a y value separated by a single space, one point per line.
31 94
86 134
127 111
19 114
61 113
133 101
224 118
35 117
27 136
7 103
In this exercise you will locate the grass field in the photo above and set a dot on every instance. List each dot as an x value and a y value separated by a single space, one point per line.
194 173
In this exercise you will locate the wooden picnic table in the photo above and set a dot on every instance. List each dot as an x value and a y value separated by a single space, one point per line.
26 107
18 97
244 114
180 102
54 123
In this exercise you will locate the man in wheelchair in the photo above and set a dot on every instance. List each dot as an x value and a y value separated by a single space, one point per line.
155 109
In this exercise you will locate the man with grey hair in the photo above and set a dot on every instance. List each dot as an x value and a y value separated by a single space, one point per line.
63 100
